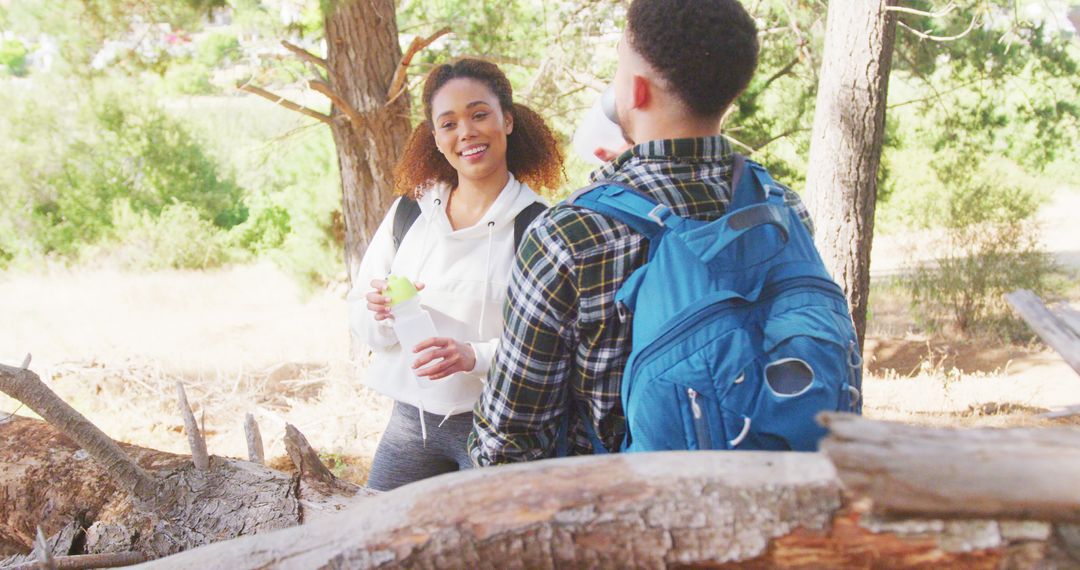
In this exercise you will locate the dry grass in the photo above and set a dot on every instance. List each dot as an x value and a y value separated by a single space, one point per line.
136 402
241 340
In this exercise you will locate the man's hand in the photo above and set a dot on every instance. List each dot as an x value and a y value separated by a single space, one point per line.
455 357
609 154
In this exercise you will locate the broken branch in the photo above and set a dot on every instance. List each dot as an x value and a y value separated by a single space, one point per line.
305 54
397 84
196 441
86 561
44 554
254 440
354 116
26 387
305 459
279 100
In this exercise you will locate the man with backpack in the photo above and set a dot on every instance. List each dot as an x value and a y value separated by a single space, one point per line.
556 385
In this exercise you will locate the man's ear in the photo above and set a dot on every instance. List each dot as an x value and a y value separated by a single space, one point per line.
642 91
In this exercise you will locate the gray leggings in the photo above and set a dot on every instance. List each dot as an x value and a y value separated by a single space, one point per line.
403 456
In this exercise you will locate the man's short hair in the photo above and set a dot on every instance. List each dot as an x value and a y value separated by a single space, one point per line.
706 50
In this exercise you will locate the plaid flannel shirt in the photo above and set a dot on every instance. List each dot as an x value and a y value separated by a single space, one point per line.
564 348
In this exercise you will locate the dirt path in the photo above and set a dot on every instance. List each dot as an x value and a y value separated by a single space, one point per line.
1060 235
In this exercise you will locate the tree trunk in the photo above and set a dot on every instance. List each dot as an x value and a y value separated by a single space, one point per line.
845 148
362 56
712 509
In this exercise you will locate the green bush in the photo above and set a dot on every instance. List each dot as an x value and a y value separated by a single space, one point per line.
71 158
989 247
290 176
218 49
178 238
189 78
13 58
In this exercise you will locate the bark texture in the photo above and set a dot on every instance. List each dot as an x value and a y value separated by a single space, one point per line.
845 148
362 56
958 473
642 510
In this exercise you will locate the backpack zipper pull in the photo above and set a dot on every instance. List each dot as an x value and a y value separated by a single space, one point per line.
693 403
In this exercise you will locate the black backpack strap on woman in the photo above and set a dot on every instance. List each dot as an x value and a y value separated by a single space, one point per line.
408 210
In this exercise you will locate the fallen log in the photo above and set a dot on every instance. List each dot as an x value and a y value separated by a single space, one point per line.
91 495
1018 473
886 502
672 509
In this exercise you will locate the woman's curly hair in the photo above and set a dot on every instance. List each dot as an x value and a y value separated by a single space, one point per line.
532 153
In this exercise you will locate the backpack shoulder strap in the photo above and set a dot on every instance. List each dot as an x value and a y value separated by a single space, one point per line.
524 218
404 215
752 184
631 207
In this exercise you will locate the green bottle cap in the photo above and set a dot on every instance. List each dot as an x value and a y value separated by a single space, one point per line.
399 289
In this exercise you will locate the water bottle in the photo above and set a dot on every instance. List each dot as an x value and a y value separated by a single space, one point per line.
598 128
412 323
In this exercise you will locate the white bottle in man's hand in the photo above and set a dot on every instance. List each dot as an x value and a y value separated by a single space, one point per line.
412 323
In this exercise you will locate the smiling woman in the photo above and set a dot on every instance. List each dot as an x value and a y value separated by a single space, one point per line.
530 150
465 181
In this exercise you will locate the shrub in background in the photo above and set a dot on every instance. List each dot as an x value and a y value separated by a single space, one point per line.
188 78
179 237
12 58
218 49
989 247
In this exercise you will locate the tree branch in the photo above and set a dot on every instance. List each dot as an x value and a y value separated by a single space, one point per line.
195 438
305 55
87 561
927 36
397 84
350 112
26 387
279 100
784 134
782 72
906 10
585 79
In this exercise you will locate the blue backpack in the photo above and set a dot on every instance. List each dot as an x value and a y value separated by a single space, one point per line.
740 336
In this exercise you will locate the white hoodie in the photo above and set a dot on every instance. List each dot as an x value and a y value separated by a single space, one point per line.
465 272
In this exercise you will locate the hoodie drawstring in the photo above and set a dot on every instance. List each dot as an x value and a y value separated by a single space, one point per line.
448 414
423 424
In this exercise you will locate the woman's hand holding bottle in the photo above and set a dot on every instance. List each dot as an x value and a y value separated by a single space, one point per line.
455 357
378 301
